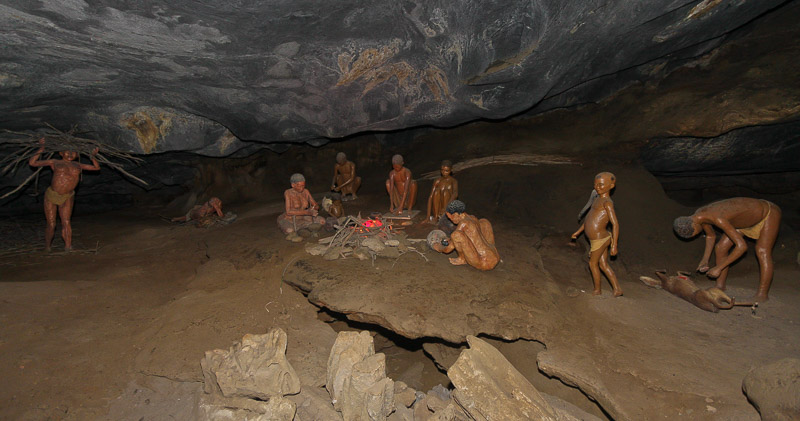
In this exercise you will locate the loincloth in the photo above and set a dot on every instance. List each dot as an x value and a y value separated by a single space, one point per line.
598 243
56 198
754 232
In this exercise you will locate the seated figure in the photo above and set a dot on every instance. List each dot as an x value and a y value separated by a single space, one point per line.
402 189
301 209
345 180
197 212
473 239
444 191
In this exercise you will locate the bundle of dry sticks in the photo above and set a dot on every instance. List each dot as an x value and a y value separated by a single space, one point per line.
24 145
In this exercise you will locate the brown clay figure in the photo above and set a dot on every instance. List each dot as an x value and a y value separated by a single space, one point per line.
333 205
595 226
473 239
345 180
402 189
60 196
710 299
301 209
197 212
444 190
737 218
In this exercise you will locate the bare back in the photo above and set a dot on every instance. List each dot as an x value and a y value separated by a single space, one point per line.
472 229
739 212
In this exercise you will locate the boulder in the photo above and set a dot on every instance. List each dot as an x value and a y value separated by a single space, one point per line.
488 387
774 389
256 367
368 394
218 408
349 349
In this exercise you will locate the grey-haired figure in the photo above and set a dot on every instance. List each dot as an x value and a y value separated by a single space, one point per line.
345 180
301 210
401 188
473 239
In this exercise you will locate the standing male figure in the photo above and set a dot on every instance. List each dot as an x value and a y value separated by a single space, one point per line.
345 180
736 218
301 210
595 226
60 196
402 189
473 239
444 190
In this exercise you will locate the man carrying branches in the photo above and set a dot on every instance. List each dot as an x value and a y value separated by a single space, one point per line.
60 196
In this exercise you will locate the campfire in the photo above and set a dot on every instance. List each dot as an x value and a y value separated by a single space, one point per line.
364 239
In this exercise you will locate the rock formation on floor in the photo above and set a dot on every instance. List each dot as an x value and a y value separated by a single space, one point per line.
774 389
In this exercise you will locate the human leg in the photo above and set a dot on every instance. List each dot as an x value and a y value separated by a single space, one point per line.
50 210
721 253
594 268
612 277
764 246
411 199
65 212
465 249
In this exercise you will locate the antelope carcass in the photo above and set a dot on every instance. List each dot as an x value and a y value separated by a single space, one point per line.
711 299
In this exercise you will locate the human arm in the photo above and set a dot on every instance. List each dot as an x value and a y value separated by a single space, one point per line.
35 162
711 238
218 208
612 218
95 165
577 233
333 182
739 249
390 189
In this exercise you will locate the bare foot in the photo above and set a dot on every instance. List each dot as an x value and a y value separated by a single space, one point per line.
597 292
758 298
458 261
617 292
67 249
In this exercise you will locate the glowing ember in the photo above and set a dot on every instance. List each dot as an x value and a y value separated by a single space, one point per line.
372 223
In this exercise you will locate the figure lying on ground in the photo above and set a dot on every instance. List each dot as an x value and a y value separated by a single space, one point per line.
301 209
710 299
197 212
601 213
60 196
737 218
473 239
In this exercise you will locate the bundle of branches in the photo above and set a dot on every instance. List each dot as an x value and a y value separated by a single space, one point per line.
515 159
24 145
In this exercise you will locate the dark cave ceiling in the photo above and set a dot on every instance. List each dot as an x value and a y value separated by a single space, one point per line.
216 77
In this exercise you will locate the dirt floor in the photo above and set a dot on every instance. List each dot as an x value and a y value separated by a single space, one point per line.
117 329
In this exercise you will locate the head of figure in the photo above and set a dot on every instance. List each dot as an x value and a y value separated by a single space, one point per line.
446 168
69 155
341 158
685 227
455 211
298 182
397 162
215 202
604 182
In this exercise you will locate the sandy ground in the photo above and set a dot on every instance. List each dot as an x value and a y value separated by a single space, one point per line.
119 333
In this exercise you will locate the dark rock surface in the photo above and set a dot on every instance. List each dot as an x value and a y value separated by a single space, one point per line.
205 77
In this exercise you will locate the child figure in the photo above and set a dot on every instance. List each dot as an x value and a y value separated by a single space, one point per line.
595 226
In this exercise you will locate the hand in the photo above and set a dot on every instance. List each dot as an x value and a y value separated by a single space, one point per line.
714 272
613 250
95 151
703 267
41 141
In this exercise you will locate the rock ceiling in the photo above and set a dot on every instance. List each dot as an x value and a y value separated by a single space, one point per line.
215 77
